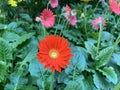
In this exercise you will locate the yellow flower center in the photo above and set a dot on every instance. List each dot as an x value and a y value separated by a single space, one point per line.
53 54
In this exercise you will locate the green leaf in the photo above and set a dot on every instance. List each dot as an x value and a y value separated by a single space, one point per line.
61 77
104 57
22 39
26 17
73 85
101 83
10 36
88 83
35 68
117 87
12 25
5 50
31 55
74 36
82 51
116 58
3 26
91 49
3 70
16 82
110 74
30 87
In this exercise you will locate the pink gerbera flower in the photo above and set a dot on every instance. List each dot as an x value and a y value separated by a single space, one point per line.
54 3
96 23
47 18
114 6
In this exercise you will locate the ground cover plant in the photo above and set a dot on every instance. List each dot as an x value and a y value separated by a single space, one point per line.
59 44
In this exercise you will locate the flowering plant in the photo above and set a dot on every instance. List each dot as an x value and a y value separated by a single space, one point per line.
60 45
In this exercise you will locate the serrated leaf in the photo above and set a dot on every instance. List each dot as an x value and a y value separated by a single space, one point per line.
104 57
72 85
101 83
5 50
91 49
78 63
72 35
3 70
110 74
22 39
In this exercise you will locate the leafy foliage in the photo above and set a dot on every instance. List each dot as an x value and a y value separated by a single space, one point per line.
104 57
92 67
110 74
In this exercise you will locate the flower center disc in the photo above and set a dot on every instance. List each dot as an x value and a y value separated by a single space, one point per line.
53 54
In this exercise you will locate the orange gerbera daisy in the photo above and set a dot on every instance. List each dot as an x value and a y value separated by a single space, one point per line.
54 52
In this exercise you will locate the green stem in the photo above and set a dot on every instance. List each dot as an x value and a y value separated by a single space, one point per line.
85 24
58 24
74 73
43 30
65 24
95 7
48 4
52 83
114 29
99 38
117 41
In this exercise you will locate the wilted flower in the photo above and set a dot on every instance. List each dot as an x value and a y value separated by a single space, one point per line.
54 52
96 23
70 15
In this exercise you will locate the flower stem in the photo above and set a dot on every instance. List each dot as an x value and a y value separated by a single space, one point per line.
58 24
52 83
99 38
117 41
48 4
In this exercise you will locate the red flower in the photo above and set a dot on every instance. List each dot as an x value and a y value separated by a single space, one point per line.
54 52
47 18
114 6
